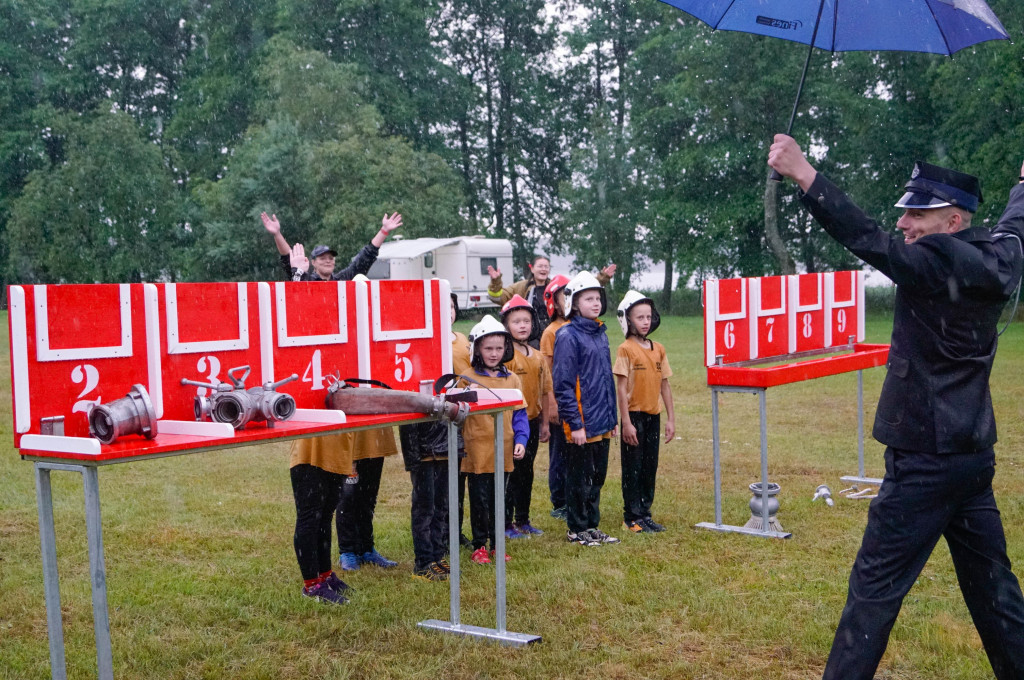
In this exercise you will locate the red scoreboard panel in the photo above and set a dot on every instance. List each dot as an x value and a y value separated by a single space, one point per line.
77 345
776 316
210 329
807 320
405 318
316 334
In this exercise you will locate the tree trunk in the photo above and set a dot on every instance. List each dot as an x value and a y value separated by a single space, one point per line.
771 227
666 290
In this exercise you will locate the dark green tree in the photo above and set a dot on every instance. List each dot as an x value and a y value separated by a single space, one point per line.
108 212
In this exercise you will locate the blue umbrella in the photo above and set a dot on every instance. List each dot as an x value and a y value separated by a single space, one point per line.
936 26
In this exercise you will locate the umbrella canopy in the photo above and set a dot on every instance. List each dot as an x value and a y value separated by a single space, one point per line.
937 26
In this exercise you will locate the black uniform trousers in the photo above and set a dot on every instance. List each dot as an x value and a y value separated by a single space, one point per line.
356 507
481 506
585 469
519 492
316 496
925 496
640 466
429 511
556 465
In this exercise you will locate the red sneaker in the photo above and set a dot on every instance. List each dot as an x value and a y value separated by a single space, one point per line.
507 558
480 556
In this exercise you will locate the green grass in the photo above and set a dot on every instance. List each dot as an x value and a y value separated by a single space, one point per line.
203 581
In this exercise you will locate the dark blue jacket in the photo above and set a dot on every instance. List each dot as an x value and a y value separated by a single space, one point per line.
582 377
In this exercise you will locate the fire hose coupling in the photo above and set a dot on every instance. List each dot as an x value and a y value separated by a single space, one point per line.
233 403
132 414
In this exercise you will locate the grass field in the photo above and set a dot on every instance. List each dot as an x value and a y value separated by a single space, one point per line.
203 581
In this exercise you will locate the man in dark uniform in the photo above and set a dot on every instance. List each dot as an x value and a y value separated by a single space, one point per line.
935 411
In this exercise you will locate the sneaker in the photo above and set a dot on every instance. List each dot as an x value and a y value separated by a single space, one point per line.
651 525
634 527
511 533
349 562
432 572
321 592
465 542
602 537
336 584
444 564
560 513
480 556
528 529
375 558
583 538
508 558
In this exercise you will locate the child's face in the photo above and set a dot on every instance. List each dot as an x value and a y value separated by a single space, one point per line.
492 349
641 316
520 324
589 303
560 302
454 314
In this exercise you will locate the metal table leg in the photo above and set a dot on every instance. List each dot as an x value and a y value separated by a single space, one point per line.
51 579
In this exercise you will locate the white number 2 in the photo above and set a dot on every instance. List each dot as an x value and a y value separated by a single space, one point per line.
404 370
91 376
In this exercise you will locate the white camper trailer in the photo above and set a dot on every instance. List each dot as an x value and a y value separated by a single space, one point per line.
462 260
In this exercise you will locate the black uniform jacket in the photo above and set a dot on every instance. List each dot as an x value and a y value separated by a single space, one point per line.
950 290
360 264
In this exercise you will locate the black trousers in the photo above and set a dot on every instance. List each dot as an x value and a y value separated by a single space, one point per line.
316 496
481 508
556 465
429 511
925 496
356 506
585 469
519 492
640 466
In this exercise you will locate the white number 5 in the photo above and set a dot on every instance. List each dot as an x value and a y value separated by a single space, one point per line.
404 370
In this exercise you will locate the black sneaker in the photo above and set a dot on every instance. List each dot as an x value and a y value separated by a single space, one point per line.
336 584
321 592
601 537
432 572
650 525
465 542
583 538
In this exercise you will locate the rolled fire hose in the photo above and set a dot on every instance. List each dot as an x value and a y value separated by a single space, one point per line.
370 401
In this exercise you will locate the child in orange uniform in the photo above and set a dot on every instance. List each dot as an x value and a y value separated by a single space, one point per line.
490 348
641 375
520 319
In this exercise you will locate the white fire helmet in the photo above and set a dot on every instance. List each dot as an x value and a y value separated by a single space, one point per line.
579 283
489 326
634 298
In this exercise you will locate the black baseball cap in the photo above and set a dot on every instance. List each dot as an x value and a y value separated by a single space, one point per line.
932 186
323 250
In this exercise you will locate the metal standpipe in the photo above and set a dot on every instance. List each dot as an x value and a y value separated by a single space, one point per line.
861 476
97 568
499 633
716 445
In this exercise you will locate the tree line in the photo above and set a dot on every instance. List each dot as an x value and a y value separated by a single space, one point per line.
141 140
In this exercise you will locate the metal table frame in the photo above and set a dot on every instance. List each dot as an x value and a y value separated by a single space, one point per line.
717 525
500 632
